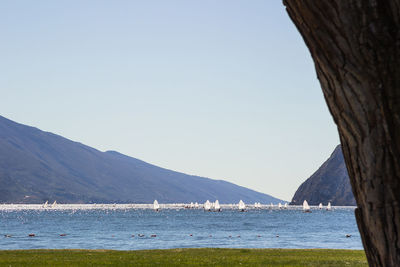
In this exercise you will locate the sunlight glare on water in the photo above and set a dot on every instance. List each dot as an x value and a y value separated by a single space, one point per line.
131 227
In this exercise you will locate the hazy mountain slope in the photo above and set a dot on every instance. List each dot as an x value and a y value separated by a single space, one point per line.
36 166
330 183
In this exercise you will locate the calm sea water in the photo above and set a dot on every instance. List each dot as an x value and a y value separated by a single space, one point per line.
177 228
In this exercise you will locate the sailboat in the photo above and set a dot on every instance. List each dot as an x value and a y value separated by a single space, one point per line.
207 206
45 204
320 206
191 205
279 205
54 204
196 205
156 206
285 207
217 207
306 207
241 205
329 207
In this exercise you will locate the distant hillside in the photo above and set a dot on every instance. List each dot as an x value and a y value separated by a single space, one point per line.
36 166
330 183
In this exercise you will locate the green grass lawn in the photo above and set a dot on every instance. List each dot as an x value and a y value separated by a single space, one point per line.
185 257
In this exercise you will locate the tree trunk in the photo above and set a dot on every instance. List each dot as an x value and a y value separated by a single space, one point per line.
355 45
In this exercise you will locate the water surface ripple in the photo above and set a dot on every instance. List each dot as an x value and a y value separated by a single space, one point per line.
177 228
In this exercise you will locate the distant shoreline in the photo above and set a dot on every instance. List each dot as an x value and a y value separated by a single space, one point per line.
147 206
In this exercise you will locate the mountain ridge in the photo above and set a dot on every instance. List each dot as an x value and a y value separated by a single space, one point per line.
330 183
36 166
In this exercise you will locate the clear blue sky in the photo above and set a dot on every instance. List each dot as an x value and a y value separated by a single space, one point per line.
224 89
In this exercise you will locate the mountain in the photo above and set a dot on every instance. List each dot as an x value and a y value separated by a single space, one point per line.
36 166
330 183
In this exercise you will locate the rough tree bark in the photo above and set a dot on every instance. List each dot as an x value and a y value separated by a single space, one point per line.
355 45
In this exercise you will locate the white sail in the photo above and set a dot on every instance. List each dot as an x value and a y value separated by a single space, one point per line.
207 205
280 205
285 206
54 204
329 207
320 206
45 204
306 207
156 206
196 205
217 206
191 205
241 205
